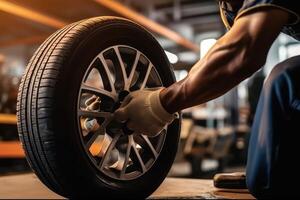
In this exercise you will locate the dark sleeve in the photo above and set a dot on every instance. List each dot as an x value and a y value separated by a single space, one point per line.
229 10
230 14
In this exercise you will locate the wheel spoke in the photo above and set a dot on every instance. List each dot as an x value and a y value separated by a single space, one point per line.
138 156
129 81
107 121
165 128
146 76
107 153
105 144
121 64
150 146
104 76
128 150
98 91
111 83
92 139
94 114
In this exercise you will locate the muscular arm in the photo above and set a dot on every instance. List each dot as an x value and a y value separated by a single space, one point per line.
234 57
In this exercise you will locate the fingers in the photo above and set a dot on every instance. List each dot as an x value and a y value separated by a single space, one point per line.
121 114
134 127
127 100
131 125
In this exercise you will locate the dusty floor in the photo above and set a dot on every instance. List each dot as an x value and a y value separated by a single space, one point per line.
28 186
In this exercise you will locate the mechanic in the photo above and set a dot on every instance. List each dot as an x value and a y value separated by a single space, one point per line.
253 26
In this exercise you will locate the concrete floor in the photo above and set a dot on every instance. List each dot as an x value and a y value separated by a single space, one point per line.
28 186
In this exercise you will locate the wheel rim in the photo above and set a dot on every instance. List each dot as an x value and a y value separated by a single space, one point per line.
112 148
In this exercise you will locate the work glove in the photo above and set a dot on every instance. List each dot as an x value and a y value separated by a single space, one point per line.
143 112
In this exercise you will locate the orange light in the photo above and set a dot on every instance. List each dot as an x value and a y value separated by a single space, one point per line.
31 15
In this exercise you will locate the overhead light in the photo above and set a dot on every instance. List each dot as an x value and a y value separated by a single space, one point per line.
172 57
205 45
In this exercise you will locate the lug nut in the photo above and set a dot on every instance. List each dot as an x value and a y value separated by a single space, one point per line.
91 125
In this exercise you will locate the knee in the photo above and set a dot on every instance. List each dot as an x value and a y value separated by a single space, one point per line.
254 188
284 71
259 190
281 88
276 76
283 76
254 180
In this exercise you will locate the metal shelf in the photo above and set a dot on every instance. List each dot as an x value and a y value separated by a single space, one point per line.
10 149
8 119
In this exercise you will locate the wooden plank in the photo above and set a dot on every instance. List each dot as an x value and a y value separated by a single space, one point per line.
180 188
8 119
27 186
32 15
150 24
11 149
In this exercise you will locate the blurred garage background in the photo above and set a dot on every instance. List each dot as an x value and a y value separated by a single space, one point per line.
214 135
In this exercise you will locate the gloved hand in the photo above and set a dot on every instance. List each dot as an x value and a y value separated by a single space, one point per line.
144 113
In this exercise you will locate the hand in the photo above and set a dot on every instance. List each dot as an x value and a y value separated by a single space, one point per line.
144 113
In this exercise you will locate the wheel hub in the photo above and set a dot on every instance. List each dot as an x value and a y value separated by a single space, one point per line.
121 96
115 125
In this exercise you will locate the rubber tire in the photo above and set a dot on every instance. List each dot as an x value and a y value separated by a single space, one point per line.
47 109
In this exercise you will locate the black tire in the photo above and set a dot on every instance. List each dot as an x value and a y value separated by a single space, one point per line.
47 109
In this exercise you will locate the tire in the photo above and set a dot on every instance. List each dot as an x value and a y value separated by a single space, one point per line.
49 100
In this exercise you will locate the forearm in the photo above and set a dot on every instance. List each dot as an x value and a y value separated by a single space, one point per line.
236 56
211 77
